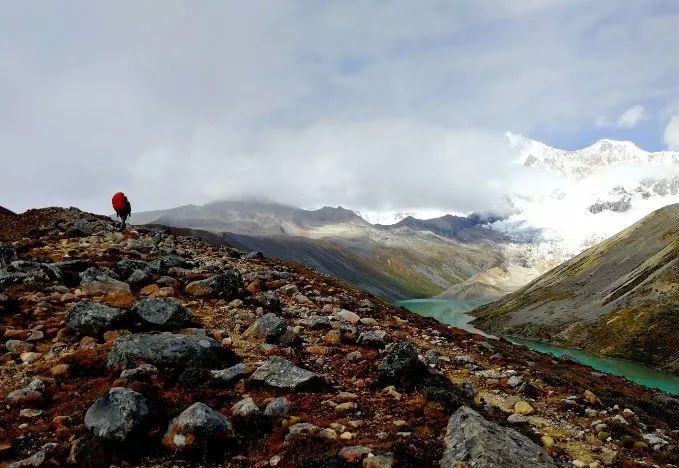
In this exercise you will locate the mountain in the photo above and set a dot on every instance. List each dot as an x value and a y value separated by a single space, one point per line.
412 258
618 298
146 348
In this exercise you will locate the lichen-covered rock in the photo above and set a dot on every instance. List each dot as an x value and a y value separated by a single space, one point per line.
280 373
224 285
118 414
161 314
472 440
168 350
92 319
373 339
198 427
277 408
125 268
401 366
246 408
270 327
231 375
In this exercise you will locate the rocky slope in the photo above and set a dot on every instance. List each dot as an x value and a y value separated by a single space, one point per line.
144 348
618 298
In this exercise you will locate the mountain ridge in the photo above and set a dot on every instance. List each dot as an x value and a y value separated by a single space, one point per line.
615 299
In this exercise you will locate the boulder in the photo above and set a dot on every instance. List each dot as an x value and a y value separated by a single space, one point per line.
231 375
373 339
162 314
90 225
94 273
118 414
472 440
224 285
348 316
270 327
167 350
93 319
104 285
317 322
245 408
198 427
401 366
277 408
126 268
278 372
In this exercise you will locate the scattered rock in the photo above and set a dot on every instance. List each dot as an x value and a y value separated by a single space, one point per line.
347 315
162 314
401 366
277 408
270 327
471 440
278 372
92 319
18 347
118 414
524 408
167 350
198 427
245 408
231 375
224 285
373 339
354 454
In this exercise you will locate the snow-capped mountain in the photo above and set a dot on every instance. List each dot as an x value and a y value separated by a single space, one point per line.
587 195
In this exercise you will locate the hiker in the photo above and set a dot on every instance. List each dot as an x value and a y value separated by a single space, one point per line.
122 206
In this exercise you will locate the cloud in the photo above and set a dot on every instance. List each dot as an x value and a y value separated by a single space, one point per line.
628 119
398 104
671 135
632 116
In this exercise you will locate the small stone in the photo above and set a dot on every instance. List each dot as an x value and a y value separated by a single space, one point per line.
29 357
142 372
280 373
92 319
353 356
347 315
590 397
301 430
35 335
514 381
277 408
517 418
161 313
522 407
378 461
346 436
245 408
547 441
346 407
373 339
60 370
231 375
329 434
354 454
18 347
198 427
30 413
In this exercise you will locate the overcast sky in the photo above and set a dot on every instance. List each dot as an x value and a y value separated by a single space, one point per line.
373 105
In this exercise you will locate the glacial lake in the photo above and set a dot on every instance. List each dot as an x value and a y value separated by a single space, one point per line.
454 312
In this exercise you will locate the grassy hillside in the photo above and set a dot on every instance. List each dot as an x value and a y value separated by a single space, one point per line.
619 298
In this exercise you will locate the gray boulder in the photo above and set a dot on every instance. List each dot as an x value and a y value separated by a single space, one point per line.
167 350
401 366
198 427
270 327
317 322
95 273
125 268
246 409
278 372
90 225
472 440
92 319
22 271
161 313
277 408
373 339
231 375
117 415
224 285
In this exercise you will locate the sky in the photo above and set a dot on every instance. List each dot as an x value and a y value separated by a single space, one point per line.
373 105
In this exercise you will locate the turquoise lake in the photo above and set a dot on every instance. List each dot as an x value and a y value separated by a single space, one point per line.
454 312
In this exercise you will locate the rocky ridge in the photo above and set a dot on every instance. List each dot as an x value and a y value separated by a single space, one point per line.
150 349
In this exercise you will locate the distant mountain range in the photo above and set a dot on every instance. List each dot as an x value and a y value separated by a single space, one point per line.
619 298
412 258
568 202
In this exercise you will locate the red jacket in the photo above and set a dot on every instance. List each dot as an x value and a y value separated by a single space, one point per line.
119 201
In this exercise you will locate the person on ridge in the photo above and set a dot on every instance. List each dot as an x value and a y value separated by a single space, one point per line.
122 206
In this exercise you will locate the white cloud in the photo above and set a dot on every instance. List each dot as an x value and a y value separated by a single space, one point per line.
314 102
671 135
632 116
628 119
